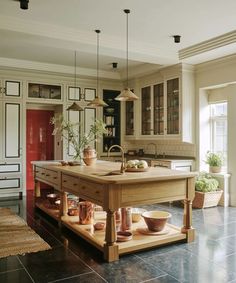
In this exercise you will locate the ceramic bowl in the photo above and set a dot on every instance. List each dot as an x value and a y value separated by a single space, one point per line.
90 161
137 213
52 198
156 220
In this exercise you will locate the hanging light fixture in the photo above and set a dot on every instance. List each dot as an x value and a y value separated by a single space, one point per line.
97 102
75 106
127 94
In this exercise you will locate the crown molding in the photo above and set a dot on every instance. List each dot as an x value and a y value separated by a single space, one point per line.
204 46
53 68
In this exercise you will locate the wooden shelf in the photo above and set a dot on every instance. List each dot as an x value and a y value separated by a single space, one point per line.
139 241
54 213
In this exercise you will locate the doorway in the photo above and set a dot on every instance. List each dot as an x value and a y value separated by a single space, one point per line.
39 140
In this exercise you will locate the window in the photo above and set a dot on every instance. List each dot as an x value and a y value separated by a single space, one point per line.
218 120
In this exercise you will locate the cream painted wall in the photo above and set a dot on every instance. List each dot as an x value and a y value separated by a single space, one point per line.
209 75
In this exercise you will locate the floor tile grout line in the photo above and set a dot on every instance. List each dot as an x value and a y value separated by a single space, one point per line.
26 270
12 270
74 276
148 280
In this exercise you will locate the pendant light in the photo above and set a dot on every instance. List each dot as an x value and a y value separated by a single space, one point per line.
75 106
97 102
127 94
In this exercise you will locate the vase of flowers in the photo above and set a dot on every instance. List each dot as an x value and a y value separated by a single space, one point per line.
71 133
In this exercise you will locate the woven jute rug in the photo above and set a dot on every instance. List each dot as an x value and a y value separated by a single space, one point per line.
16 237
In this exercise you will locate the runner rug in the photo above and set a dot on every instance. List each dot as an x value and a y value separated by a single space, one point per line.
16 237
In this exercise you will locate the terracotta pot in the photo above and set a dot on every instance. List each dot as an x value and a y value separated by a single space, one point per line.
89 152
215 169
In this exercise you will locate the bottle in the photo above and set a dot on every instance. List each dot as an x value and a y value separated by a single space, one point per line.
126 218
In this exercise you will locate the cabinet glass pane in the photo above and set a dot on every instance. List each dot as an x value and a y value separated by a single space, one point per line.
146 110
89 118
158 112
173 106
111 116
129 117
44 91
12 130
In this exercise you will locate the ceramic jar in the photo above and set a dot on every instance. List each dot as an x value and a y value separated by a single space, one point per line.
89 156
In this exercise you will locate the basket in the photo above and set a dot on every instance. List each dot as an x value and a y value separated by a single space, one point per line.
209 199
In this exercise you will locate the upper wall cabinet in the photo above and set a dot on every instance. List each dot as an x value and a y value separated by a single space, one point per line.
44 91
10 89
166 107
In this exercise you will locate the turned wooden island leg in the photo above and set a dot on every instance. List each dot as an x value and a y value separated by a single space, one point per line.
111 252
187 221
37 192
64 204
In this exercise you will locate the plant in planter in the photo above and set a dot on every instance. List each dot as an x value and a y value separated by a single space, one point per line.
215 161
207 193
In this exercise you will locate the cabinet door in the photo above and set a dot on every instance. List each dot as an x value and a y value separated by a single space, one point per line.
173 107
12 130
158 109
146 123
129 118
12 88
74 117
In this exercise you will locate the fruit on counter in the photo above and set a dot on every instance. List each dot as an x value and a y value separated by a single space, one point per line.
137 164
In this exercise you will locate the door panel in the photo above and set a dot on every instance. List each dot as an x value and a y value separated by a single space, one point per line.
39 140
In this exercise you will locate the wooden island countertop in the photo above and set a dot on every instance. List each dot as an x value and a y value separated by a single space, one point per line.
93 183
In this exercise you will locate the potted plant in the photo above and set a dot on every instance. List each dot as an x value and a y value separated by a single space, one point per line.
71 132
207 193
215 161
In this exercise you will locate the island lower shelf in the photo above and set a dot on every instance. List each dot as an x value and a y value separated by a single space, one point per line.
139 241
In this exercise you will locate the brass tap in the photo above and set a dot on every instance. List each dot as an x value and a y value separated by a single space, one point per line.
152 143
122 167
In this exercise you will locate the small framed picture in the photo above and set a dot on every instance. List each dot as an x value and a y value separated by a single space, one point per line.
89 94
73 93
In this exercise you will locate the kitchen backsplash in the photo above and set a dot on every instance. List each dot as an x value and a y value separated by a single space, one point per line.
167 147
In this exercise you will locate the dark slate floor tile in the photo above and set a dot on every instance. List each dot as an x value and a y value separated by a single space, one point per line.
210 249
9 263
91 277
129 269
163 279
187 267
229 263
58 263
17 276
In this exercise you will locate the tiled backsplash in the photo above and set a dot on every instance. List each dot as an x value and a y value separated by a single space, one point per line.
167 147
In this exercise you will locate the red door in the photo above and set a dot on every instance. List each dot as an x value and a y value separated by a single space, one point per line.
39 140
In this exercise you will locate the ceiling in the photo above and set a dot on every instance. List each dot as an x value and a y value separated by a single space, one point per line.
45 36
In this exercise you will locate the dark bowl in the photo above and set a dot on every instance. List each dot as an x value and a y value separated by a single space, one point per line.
52 198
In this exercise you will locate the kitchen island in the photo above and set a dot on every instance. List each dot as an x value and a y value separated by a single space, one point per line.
98 185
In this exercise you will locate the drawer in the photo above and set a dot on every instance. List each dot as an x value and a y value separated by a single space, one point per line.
166 164
52 176
10 183
91 191
39 172
70 182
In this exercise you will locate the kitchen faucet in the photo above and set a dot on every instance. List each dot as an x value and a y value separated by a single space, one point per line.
122 168
152 143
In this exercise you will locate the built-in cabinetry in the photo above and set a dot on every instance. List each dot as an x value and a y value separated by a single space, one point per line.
183 165
111 116
45 91
166 106
160 110
11 138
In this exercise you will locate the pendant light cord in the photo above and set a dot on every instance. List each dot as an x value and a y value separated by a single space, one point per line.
127 11
97 31
75 73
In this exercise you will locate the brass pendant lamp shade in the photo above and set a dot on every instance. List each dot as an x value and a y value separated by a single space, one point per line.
75 106
97 102
127 94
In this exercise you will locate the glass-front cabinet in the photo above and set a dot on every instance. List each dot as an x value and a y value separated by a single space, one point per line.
129 117
160 109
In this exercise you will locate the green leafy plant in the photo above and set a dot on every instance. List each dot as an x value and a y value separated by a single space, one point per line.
206 183
214 159
71 132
